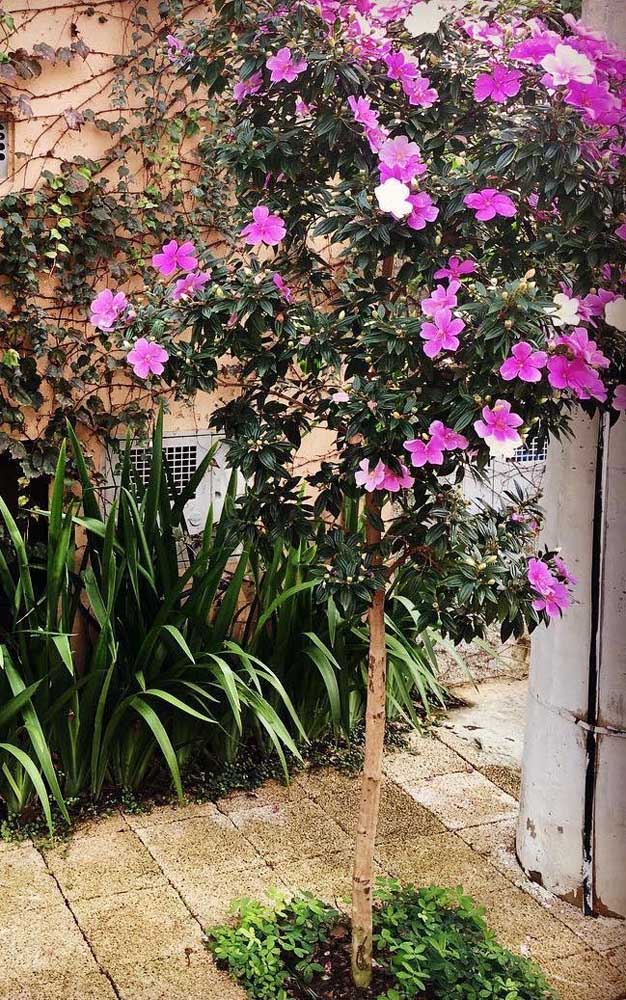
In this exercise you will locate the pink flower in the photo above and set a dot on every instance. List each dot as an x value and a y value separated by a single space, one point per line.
303 110
524 363
282 287
455 268
620 232
554 602
539 576
577 376
393 482
440 298
400 68
106 309
500 84
340 397
424 210
243 88
147 358
192 282
176 50
597 101
563 572
582 347
488 203
402 158
266 228
535 48
420 93
619 398
428 452
283 66
370 479
498 429
447 437
442 333
173 257
362 110
566 65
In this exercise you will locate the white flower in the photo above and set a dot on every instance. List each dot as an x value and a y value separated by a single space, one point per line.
425 18
503 449
615 313
566 311
392 197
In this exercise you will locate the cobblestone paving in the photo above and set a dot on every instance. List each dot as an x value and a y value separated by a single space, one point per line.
119 909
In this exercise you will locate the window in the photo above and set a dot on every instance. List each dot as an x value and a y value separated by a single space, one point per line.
4 150
530 454
184 453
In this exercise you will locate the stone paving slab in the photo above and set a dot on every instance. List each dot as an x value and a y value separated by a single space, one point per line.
119 909
461 800
73 985
103 864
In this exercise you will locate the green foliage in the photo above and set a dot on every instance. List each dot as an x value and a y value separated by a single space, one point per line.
158 674
271 943
432 941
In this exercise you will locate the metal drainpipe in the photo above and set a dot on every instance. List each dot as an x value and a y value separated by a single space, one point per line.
595 659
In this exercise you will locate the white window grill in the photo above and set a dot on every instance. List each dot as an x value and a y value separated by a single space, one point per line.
532 454
183 453
4 150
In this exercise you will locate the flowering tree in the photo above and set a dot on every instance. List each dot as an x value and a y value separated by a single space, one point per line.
431 233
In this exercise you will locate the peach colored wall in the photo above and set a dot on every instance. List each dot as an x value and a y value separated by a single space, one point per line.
43 140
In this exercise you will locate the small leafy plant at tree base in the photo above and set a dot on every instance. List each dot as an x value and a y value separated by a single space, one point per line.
428 943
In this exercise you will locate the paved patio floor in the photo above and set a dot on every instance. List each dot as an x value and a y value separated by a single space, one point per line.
119 910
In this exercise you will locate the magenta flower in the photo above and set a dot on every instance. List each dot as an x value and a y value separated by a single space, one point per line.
596 100
577 376
420 93
441 298
362 111
173 257
282 287
488 203
619 398
400 68
447 437
500 84
424 210
401 158
539 576
393 482
283 67
442 333
370 479
176 50
553 596
566 65
429 452
106 309
534 49
456 268
582 347
185 287
243 88
563 572
524 363
265 228
498 429
147 358
620 232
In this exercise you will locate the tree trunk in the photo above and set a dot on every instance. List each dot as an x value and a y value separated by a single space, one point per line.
372 772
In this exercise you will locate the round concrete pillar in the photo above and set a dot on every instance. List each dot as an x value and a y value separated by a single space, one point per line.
571 833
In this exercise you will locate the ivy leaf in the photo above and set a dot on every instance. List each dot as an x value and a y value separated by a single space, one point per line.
45 52
75 119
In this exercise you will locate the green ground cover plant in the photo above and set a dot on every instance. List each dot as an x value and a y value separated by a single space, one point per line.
428 943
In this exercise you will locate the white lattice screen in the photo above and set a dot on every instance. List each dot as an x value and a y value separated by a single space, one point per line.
184 453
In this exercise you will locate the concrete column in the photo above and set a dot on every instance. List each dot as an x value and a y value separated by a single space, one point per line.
571 833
